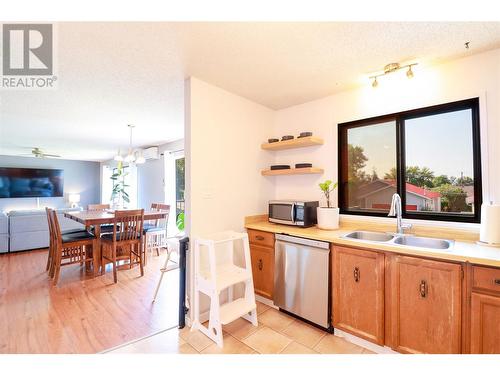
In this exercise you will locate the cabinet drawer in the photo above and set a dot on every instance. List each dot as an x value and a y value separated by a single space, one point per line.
260 238
486 278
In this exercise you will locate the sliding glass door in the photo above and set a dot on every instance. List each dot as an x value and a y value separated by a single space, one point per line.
174 188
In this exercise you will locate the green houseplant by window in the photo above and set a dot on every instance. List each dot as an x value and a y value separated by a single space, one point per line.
119 195
180 221
328 217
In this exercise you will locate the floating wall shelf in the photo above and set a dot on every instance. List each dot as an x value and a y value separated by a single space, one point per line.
293 143
292 171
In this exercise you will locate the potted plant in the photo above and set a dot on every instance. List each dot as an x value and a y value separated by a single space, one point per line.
328 217
180 221
119 195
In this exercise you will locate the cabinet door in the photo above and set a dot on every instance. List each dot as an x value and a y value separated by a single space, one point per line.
358 293
263 270
485 324
426 306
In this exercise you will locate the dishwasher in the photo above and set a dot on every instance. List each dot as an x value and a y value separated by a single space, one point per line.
301 278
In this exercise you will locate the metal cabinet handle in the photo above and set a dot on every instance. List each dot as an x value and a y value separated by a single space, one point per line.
260 238
260 265
423 289
357 274
497 281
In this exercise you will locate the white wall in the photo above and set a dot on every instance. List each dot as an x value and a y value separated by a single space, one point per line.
151 177
473 76
224 159
224 131
223 162
150 180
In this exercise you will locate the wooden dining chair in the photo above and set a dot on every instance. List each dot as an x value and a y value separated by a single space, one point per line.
98 207
50 258
125 242
105 228
70 248
155 231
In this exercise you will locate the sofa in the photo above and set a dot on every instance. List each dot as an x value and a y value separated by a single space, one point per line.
28 229
4 233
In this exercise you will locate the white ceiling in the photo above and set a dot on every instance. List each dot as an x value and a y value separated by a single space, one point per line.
112 74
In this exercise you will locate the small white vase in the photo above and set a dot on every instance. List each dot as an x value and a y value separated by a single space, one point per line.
328 218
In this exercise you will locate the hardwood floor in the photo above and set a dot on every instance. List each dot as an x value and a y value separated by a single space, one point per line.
81 314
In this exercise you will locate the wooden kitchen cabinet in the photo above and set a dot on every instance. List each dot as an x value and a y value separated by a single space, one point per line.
485 324
262 254
485 311
263 270
409 303
425 310
358 292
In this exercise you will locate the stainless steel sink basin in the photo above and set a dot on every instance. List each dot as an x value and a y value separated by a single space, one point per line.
370 236
430 243
400 240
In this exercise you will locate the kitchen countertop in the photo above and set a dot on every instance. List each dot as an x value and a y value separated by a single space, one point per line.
462 250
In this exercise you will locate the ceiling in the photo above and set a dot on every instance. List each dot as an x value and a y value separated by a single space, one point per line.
113 74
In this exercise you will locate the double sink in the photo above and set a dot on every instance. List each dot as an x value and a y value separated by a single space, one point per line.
400 239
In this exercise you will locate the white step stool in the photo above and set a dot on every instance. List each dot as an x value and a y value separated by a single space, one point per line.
214 272
172 245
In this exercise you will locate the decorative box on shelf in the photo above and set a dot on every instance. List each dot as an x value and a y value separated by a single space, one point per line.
292 171
292 143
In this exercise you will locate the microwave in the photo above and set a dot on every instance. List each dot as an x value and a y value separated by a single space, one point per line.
292 212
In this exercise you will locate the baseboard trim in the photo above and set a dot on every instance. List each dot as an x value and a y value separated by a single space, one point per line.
265 301
363 343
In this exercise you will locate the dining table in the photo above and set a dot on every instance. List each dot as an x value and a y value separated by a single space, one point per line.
96 218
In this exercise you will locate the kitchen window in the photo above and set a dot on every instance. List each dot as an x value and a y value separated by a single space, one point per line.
429 156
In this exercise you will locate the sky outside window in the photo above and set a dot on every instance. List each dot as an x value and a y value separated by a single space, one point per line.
379 146
443 143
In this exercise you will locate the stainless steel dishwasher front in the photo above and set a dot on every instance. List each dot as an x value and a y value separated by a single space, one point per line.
301 278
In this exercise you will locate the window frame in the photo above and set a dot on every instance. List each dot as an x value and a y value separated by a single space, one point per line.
399 118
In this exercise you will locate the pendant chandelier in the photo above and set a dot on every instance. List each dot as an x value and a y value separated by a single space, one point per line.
132 157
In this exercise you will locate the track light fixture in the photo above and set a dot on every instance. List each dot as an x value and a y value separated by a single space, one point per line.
391 68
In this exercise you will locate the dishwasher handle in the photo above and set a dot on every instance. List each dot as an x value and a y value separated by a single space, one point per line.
303 241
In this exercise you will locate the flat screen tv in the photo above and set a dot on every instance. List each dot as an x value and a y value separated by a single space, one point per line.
30 183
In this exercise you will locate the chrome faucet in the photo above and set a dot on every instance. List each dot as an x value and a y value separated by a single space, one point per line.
397 211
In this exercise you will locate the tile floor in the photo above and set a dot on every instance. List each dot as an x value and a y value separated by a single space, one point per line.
277 333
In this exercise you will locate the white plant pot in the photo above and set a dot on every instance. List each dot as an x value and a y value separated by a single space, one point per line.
328 218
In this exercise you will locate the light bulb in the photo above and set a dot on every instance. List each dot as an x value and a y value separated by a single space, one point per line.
118 156
409 73
130 158
139 158
375 82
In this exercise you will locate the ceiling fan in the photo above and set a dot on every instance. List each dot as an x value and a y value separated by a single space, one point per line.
38 153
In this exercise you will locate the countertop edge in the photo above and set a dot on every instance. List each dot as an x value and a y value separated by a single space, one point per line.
459 253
